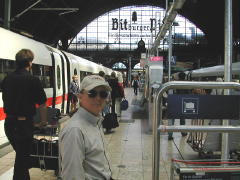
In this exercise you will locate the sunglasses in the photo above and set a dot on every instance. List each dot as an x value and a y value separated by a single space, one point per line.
93 93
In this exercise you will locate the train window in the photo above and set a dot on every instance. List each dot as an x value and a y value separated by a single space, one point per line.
83 74
75 71
58 77
6 67
44 73
48 76
10 66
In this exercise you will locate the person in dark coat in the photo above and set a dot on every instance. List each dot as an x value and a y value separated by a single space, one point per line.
135 85
115 93
20 93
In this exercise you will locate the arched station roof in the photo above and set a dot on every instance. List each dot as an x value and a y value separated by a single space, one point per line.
47 22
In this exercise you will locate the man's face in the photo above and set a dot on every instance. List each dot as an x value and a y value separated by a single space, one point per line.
95 104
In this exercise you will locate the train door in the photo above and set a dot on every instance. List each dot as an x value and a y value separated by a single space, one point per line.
64 84
67 69
74 70
58 84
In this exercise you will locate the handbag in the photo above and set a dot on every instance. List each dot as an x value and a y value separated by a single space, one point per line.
110 121
124 105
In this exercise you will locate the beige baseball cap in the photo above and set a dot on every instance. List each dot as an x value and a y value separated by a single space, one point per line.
92 81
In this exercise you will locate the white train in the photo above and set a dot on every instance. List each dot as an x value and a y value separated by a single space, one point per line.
213 72
207 144
54 68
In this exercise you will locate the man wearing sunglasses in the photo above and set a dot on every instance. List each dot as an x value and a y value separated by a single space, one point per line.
81 144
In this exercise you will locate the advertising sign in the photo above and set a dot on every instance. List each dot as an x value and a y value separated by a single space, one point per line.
156 58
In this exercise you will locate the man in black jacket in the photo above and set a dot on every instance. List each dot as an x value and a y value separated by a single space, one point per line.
115 93
20 93
135 85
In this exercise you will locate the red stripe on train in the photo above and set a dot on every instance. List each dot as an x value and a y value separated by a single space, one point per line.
49 102
2 114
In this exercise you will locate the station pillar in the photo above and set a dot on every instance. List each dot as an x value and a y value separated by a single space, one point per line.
130 71
7 14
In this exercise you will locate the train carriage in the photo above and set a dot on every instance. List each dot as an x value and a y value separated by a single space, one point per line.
214 71
52 66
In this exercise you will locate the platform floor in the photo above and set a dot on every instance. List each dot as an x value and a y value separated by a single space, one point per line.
129 147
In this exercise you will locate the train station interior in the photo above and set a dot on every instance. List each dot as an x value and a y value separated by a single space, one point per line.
140 39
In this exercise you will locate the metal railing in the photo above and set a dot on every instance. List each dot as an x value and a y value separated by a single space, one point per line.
157 118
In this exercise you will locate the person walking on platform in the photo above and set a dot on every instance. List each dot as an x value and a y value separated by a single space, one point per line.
135 85
20 93
122 95
116 93
73 91
81 144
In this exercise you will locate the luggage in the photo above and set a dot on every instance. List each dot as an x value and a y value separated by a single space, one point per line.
44 154
110 121
124 105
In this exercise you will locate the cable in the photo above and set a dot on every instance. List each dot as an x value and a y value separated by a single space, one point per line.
178 149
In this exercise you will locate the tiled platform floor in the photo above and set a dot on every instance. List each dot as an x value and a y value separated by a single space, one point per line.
129 147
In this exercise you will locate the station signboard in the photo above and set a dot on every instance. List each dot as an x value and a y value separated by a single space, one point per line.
189 106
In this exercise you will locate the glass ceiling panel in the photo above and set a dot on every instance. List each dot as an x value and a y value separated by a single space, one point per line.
128 25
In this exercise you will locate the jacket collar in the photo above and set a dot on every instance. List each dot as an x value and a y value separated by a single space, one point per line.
89 117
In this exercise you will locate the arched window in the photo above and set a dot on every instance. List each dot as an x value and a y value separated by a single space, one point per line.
119 65
75 71
123 28
137 66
